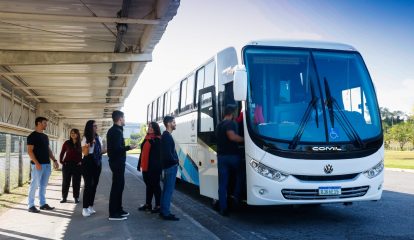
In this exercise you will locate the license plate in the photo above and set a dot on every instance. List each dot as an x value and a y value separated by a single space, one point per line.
329 191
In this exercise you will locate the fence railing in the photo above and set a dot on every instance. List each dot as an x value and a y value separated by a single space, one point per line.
15 161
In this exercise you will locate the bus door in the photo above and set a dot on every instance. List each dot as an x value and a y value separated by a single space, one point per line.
206 139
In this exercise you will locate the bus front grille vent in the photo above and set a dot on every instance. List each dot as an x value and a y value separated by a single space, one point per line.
309 178
313 194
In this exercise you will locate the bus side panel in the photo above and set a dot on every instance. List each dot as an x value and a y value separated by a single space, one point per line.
207 168
186 147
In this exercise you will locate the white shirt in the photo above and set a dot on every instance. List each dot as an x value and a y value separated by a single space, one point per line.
83 143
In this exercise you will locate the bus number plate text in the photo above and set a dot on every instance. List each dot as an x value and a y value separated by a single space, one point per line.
329 191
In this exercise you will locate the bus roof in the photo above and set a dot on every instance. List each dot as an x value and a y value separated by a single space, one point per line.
304 44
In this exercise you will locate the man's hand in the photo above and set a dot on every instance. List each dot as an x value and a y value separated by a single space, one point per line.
38 166
55 165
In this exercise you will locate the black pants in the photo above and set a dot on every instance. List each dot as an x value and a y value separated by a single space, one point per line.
117 188
91 173
71 171
152 181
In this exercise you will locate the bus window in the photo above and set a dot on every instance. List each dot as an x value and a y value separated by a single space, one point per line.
166 104
154 111
209 75
183 95
160 108
175 95
148 113
200 81
207 117
190 92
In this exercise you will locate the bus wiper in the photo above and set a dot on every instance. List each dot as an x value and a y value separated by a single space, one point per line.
342 119
305 118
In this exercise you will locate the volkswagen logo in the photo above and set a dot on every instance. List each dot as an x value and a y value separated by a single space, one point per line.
328 169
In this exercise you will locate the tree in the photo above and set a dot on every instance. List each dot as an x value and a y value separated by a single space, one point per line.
142 133
401 133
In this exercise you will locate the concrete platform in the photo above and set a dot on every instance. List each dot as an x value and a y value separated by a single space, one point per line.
67 222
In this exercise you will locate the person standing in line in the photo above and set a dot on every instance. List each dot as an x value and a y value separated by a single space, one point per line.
150 164
40 154
92 149
228 158
169 161
117 157
71 160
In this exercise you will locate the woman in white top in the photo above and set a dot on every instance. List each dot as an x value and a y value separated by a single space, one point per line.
92 149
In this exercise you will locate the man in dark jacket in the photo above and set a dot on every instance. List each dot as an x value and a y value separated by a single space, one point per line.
228 157
117 157
169 161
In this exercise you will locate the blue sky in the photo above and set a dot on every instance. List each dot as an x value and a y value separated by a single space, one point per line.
382 31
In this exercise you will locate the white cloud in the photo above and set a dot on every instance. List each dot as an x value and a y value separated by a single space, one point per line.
396 95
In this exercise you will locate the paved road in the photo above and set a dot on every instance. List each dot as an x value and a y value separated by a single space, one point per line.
390 218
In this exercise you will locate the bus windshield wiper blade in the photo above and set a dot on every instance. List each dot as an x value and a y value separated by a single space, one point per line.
342 119
305 118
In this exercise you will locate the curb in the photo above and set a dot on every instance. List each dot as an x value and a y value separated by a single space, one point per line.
400 170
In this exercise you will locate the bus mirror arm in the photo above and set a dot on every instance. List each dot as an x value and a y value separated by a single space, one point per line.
240 83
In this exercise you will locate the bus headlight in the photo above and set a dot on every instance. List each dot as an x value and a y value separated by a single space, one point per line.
375 171
268 171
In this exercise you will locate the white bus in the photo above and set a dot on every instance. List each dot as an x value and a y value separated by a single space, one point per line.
311 122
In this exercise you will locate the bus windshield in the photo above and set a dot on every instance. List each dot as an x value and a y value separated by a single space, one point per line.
310 96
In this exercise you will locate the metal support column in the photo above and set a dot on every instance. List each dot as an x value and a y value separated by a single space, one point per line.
20 182
7 165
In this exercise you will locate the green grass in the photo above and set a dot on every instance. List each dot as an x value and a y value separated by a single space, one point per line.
399 159
17 195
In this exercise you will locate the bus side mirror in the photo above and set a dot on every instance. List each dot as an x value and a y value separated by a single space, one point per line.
240 83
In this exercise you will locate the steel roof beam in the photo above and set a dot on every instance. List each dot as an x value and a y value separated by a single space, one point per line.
86 118
59 106
66 74
75 88
71 96
15 57
72 19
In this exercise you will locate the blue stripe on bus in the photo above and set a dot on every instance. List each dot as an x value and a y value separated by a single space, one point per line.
183 177
189 167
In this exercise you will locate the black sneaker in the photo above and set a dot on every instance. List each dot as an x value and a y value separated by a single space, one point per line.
156 210
63 200
117 218
170 217
33 210
76 200
124 214
46 207
145 207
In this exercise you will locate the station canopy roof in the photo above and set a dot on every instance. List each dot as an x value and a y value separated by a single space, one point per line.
79 59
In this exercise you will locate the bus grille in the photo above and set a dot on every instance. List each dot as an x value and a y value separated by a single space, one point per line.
326 178
313 194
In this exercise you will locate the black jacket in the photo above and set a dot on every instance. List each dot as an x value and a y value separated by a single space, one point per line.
154 164
169 156
116 144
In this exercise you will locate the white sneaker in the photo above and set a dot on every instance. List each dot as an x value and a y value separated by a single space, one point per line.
85 212
91 210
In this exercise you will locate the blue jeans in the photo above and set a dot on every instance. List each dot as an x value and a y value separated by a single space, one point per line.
228 164
167 191
40 179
